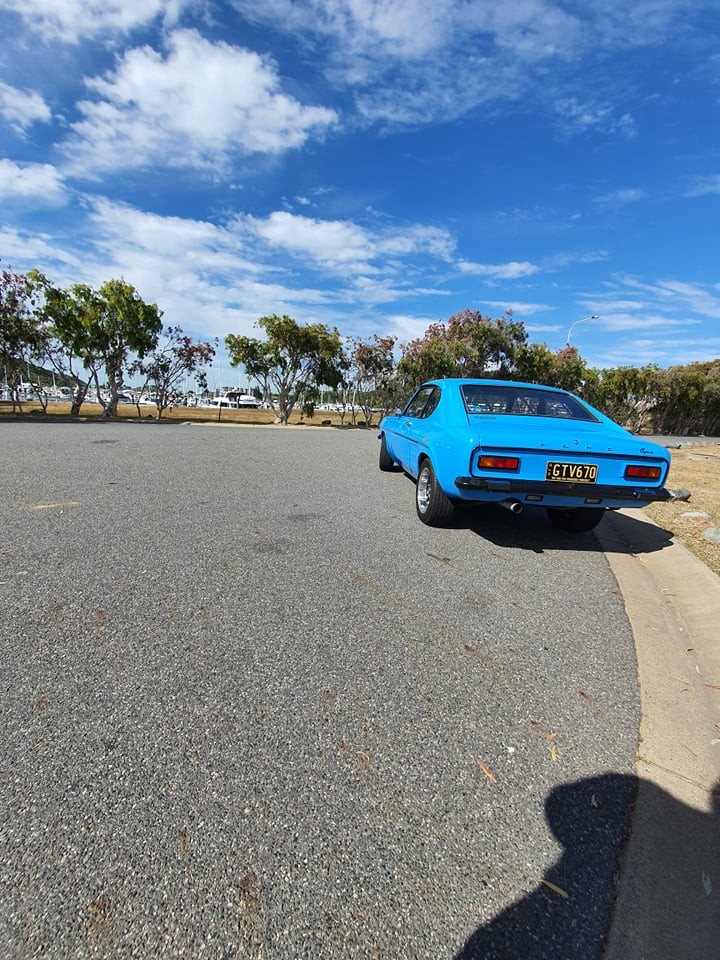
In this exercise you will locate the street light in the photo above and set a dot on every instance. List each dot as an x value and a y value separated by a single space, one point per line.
573 325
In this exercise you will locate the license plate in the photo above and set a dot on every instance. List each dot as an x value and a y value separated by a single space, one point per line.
571 472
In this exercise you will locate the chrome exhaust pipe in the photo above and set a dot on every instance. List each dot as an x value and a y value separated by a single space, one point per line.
514 506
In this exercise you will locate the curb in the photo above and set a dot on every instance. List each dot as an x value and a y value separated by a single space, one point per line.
668 900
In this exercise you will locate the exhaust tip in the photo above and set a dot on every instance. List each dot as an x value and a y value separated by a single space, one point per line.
514 506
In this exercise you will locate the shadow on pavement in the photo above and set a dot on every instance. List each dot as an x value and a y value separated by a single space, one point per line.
532 530
671 910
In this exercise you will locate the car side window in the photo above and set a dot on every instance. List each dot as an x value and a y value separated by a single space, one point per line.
433 401
417 403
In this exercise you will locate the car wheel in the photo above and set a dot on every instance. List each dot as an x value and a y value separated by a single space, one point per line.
576 520
386 462
433 506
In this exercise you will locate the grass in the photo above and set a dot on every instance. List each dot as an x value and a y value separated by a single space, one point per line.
128 411
698 470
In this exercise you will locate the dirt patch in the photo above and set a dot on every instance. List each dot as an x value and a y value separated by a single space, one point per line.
698 470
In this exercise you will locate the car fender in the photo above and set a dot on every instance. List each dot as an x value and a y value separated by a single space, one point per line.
446 460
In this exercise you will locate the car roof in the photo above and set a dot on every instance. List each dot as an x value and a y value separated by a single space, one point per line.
491 382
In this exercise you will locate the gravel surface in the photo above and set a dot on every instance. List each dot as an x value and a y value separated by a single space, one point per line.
252 707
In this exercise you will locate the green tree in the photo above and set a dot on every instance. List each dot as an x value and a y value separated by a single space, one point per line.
124 327
68 317
626 394
103 331
290 363
372 366
711 401
681 394
426 358
170 362
22 332
468 345
564 368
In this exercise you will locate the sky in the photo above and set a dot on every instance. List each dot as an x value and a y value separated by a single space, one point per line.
375 165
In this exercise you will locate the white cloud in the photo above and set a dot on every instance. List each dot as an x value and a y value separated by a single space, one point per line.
329 242
415 61
70 20
694 297
402 29
174 244
344 246
416 239
639 351
576 117
513 270
413 30
654 309
704 186
518 307
643 321
406 327
371 290
610 305
202 275
543 327
22 108
621 197
559 260
201 106
23 250
40 183
671 295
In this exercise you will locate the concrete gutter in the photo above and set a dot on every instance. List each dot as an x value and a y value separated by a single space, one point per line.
668 903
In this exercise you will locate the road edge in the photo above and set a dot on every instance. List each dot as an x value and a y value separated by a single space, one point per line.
667 905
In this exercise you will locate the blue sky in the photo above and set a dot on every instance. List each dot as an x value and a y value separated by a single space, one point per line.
375 165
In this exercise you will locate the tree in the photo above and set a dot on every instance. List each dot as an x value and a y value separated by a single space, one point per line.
468 345
290 363
426 358
169 363
99 329
536 363
372 368
123 324
626 394
686 398
68 317
22 335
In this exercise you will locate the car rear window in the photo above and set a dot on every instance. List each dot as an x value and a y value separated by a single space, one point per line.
523 401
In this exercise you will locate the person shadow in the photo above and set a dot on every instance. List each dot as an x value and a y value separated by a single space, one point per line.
667 898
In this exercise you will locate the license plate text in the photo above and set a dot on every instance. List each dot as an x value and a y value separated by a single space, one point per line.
572 472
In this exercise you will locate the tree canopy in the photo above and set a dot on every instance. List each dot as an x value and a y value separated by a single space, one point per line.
177 357
96 333
291 362
468 345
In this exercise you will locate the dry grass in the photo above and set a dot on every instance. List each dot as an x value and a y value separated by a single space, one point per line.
698 470
127 411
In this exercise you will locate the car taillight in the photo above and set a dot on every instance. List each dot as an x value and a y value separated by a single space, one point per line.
486 462
636 472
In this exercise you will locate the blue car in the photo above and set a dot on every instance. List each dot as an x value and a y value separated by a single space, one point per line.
519 444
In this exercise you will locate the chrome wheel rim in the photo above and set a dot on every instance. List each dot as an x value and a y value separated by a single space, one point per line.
423 491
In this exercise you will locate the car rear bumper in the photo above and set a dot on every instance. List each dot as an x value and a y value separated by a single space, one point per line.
592 492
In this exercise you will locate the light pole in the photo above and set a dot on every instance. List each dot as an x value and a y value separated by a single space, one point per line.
573 325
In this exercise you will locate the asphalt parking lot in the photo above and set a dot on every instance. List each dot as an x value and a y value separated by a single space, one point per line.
252 707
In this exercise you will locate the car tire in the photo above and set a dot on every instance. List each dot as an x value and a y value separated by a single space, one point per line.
575 520
386 462
433 505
